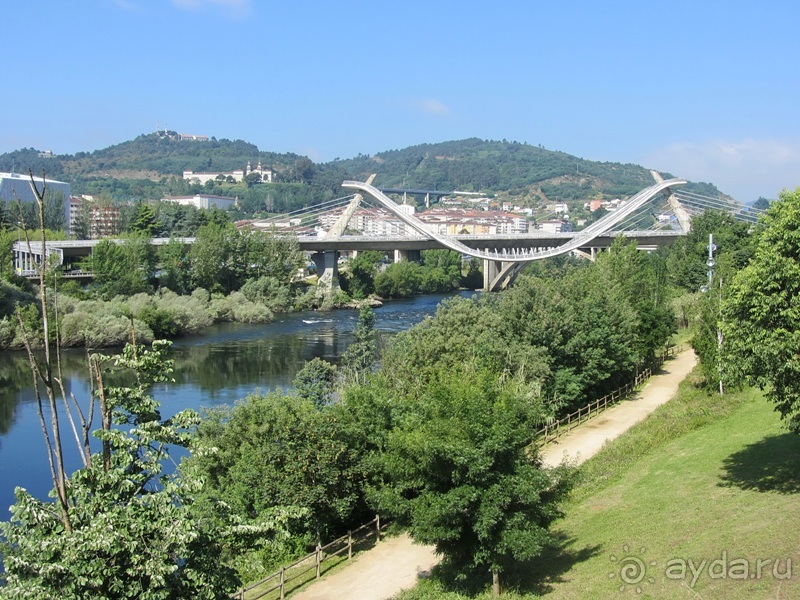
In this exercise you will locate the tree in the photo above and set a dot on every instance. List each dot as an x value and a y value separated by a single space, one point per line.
175 269
120 527
209 255
446 260
761 204
361 354
145 220
122 269
460 473
361 271
760 320
125 529
473 279
399 280
686 263
304 169
81 226
315 382
274 450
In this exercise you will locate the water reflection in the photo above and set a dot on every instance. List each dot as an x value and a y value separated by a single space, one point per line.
224 364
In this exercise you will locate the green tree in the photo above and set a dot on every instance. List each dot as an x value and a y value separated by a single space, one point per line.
122 269
760 315
120 527
275 450
473 279
639 279
686 263
209 257
145 220
448 261
360 356
315 382
125 529
460 474
175 269
81 226
399 280
361 270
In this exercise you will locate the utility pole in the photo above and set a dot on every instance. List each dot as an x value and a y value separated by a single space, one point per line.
711 263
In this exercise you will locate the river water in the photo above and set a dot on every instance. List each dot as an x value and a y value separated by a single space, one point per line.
224 364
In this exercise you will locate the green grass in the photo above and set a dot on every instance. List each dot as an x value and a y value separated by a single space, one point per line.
704 475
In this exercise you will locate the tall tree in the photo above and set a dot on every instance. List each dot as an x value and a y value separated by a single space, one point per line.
360 356
460 474
761 314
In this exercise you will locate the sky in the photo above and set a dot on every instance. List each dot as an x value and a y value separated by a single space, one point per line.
706 90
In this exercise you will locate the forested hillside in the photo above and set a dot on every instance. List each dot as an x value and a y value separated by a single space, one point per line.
151 166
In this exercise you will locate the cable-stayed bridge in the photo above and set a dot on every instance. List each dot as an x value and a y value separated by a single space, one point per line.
370 220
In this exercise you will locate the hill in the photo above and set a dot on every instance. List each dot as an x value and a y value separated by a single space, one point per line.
152 165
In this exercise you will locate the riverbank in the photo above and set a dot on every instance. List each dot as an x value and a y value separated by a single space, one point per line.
94 323
218 365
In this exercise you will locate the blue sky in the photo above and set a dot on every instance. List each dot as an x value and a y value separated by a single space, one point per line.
705 90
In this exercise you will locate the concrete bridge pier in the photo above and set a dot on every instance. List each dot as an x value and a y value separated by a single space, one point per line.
407 255
498 274
327 263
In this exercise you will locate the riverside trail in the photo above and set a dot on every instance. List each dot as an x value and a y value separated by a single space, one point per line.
395 564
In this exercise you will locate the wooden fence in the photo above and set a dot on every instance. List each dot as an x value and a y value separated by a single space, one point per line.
553 431
277 585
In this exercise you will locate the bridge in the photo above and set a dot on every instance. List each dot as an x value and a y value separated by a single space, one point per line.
503 255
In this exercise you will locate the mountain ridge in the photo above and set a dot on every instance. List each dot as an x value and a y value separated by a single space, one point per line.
151 166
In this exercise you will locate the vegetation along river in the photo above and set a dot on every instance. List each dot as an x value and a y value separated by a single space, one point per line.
224 364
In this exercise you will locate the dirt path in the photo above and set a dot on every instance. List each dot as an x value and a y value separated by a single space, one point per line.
396 563
391 566
586 440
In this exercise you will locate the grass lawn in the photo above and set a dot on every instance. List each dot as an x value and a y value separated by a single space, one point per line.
685 505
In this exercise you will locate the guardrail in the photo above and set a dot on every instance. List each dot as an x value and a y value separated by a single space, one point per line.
278 582
552 431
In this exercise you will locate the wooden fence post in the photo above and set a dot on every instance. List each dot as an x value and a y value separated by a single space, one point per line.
349 544
283 581
377 528
318 553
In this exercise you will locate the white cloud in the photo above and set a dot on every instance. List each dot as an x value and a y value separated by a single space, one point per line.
431 107
745 169
233 8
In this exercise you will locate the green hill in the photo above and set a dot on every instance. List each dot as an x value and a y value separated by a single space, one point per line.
151 166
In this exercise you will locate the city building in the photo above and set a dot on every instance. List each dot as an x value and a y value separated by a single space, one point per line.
205 201
102 218
555 226
460 221
15 186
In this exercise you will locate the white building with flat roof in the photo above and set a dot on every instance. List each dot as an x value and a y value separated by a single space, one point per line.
205 201
16 186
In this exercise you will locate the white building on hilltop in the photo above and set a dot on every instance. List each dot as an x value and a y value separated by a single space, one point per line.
237 175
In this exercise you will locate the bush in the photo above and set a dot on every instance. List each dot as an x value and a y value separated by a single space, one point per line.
269 291
236 307
11 296
99 329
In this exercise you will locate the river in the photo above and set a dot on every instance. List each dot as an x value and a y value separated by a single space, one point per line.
224 364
